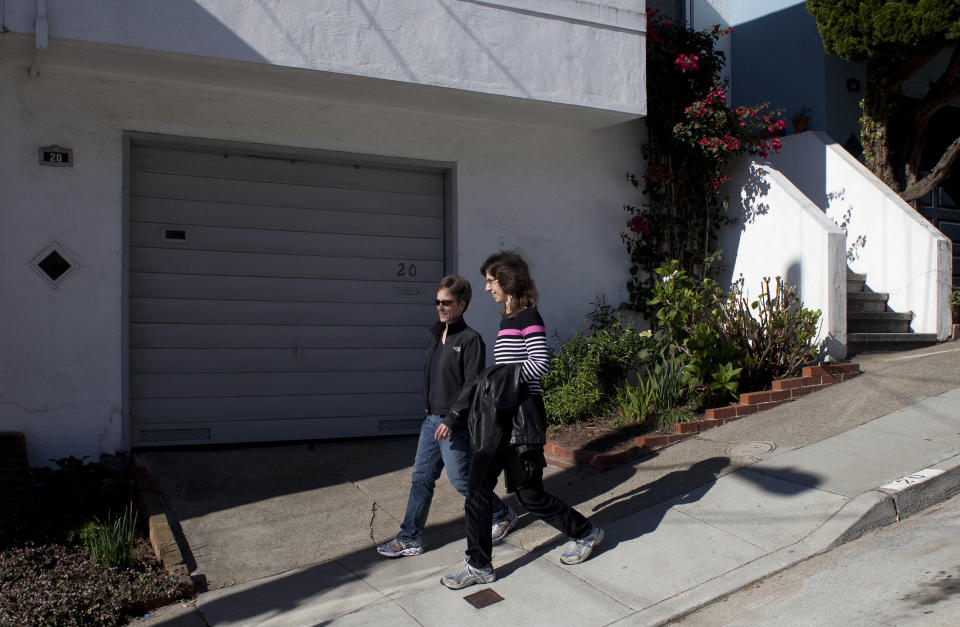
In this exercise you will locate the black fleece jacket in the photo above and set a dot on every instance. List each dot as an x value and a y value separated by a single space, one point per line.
461 359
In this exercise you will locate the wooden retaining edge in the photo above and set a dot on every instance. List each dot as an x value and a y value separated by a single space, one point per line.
782 391
164 543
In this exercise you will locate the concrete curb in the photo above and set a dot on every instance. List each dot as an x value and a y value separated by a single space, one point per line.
860 515
162 539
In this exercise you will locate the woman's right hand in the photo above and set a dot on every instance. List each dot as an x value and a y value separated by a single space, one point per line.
442 432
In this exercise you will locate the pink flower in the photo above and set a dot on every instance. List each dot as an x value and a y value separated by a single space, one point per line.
686 62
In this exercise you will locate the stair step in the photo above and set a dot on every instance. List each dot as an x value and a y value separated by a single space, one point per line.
855 282
887 342
879 322
867 301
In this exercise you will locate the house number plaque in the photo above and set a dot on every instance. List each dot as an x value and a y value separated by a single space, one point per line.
56 156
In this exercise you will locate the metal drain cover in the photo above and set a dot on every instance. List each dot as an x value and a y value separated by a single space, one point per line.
750 449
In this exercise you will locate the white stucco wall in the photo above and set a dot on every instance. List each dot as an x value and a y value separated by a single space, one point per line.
900 252
579 53
555 193
780 232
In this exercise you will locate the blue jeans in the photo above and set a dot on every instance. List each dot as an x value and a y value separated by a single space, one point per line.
432 456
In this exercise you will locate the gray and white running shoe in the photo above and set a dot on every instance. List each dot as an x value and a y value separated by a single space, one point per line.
577 551
467 575
399 547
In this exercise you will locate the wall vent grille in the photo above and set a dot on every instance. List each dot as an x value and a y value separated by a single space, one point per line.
172 435
399 425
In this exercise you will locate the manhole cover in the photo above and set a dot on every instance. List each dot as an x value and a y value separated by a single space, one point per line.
750 449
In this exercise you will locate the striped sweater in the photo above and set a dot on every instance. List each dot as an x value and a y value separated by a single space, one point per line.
523 340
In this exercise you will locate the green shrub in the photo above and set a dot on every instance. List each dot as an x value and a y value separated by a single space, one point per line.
669 386
68 496
635 401
775 333
587 370
111 543
729 343
569 396
666 419
955 305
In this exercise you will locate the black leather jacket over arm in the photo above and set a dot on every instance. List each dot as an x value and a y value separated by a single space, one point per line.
504 412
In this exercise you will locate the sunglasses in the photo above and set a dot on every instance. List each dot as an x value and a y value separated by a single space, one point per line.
445 303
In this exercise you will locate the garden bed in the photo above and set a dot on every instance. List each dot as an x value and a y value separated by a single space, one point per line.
56 552
599 443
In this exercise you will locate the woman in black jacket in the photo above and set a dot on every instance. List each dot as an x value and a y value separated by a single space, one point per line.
455 356
522 343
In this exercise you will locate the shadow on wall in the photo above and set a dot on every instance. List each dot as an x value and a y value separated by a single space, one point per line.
779 58
854 245
744 208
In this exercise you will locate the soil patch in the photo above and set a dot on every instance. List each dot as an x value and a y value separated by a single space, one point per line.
597 434
602 434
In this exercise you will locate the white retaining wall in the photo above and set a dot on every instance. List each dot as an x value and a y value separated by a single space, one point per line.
898 249
780 232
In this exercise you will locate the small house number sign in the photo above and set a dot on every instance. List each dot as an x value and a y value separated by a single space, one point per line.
56 156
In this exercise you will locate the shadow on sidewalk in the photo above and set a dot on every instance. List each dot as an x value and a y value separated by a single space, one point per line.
347 582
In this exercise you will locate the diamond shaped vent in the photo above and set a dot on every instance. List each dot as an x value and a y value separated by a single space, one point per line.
53 264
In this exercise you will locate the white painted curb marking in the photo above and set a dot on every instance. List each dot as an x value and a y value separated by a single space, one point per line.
918 477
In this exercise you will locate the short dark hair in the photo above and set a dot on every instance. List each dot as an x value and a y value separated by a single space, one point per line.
513 275
459 288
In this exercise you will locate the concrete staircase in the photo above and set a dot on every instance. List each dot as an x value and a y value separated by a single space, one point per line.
871 328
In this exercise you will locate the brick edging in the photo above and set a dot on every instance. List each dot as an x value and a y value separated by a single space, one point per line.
164 544
782 391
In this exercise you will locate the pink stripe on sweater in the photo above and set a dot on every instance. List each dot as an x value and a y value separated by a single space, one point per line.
509 332
536 328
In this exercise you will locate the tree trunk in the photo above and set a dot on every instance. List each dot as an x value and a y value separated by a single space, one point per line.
874 131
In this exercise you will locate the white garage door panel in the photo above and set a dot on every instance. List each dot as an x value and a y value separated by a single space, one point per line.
241 312
291 243
249 168
278 407
265 336
150 190
328 219
263 264
274 360
278 298
272 383
227 431
156 285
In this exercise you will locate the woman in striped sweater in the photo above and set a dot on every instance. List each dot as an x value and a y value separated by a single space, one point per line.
522 340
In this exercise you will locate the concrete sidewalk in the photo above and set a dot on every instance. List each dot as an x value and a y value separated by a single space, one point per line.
285 535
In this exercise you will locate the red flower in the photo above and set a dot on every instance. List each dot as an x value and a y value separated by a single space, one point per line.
638 225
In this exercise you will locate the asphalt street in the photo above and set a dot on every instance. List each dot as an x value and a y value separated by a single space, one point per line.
907 573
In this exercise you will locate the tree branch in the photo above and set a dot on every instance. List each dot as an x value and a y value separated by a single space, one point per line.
944 91
937 175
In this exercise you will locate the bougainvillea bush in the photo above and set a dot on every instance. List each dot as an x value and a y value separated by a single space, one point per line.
692 134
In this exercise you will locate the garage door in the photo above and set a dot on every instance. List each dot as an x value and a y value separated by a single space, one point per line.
278 298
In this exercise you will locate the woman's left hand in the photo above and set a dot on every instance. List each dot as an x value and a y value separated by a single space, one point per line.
442 432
